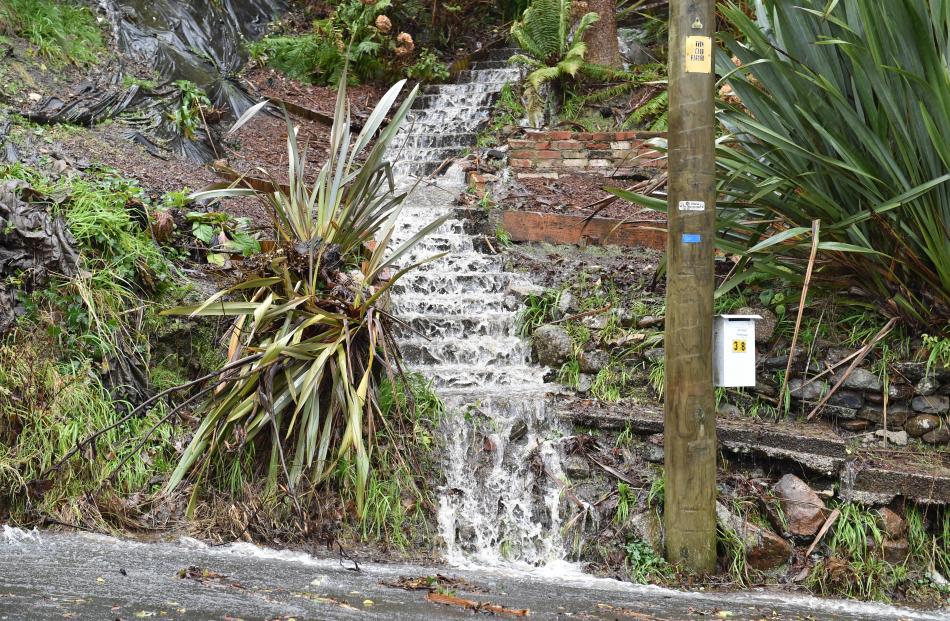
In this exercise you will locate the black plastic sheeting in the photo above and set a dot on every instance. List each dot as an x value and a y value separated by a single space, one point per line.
34 245
197 40
201 41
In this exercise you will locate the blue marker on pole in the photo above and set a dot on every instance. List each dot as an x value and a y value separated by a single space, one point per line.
692 238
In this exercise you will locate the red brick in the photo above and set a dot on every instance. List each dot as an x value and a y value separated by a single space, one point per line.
546 155
521 163
583 136
603 136
537 135
516 143
523 153
559 135
566 144
575 163
598 145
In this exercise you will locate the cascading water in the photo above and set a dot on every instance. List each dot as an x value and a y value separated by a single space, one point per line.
500 502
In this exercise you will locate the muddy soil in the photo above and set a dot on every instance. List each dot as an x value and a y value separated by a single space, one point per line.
575 195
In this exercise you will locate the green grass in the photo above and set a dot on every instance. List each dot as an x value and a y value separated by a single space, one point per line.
855 566
398 497
57 404
64 32
88 314
625 499
938 352
570 374
538 310
507 111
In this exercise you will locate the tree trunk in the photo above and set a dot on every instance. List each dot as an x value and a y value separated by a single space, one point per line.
601 38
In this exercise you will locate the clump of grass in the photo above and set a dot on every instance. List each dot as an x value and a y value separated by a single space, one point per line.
625 499
570 374
507 111
64 32
45 408
538 310
610 382
398 499
938 352
856 566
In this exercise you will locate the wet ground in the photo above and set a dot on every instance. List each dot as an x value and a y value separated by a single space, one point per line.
46 575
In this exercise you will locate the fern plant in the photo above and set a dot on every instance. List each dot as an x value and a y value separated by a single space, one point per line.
552 52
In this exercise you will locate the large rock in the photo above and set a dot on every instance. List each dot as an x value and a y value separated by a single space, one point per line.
809 392
653 449
634 47
895 550
913 371
919 425
764 549
934 404
897 438
927 385
900 391
939 436
897 415
646 527
804 510
861 379
576 467
857 424
593 361
565 303
893 525
552 345
847 398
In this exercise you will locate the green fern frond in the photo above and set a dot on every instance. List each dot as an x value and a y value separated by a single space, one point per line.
521 59
585 22
540 77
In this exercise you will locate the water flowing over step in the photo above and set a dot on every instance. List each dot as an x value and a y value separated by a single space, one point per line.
500 503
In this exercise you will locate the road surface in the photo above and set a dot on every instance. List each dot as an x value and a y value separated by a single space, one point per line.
49 575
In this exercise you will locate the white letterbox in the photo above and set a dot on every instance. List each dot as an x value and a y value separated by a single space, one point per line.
734 350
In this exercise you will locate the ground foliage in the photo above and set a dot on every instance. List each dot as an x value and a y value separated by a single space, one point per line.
62 32
358 35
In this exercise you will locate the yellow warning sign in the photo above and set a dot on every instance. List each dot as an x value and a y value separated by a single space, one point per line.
699 53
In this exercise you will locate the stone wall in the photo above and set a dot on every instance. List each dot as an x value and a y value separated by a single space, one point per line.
550 154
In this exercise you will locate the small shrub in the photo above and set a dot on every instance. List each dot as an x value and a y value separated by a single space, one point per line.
644 565
428 68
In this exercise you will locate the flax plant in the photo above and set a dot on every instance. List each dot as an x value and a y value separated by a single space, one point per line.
840 113
312 326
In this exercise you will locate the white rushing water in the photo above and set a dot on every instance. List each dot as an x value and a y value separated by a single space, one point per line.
500 503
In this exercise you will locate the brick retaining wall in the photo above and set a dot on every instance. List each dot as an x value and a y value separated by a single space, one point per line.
611 154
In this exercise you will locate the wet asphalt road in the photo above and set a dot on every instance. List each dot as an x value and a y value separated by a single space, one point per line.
46 576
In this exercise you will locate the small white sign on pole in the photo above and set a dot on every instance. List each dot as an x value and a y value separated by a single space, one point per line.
734 350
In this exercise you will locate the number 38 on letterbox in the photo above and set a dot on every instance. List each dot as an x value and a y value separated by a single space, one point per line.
734 350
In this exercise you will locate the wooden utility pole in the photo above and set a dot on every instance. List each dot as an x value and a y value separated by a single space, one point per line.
689 412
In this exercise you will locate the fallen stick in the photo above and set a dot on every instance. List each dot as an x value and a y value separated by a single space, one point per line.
471 604
862 353
821 533
815 226
589 313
